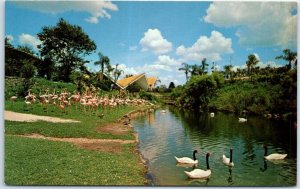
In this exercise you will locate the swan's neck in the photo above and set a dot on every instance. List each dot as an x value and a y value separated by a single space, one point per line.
194 156
230 156
266 151
207 163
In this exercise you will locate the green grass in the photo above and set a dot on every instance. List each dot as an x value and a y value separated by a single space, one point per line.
40 162
86 128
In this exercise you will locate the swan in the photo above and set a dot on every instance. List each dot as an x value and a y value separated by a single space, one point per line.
187 160
242 120
274 156
199 173
163 111
228 161
212 114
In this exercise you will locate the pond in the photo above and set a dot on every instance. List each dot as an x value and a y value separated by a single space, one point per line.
177 133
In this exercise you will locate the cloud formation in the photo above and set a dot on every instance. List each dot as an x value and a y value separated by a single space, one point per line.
206 47
258 23
155 42
10 38
97 9
27 39
166 60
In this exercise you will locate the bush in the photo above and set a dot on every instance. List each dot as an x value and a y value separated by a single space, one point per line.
147 96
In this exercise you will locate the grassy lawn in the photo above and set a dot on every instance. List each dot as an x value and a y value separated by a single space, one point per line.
41 162
86 128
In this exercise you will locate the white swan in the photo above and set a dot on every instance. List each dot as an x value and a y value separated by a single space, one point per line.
199 173
212 114
187 160
228 161
242 120
163 111
274 156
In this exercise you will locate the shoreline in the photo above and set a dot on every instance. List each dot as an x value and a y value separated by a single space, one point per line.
132 115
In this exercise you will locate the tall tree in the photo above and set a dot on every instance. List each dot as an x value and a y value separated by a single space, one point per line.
109 69
186 68
227 69
117 73
195 70
66 45
204 66
251 62
172 85
103 60
289 56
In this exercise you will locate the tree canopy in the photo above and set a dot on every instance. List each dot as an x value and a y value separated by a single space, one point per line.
65 45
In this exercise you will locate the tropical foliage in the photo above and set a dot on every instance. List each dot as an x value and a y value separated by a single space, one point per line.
255 90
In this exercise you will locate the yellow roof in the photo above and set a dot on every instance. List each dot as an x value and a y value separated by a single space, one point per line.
151 80
127 81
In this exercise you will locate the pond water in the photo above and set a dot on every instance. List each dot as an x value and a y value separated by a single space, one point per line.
177 133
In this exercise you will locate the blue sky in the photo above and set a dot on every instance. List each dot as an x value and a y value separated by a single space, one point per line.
156 37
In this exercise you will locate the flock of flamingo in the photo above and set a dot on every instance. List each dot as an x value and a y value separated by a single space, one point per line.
88 101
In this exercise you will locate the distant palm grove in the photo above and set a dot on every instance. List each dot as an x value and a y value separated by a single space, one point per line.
265 91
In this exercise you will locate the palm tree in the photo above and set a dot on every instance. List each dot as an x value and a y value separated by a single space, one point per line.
204 66
103 60
109 69
227 69
117 72
186 69
251 62
195 70
289 56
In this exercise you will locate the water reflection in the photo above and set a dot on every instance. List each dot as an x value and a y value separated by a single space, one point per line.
176 133
265 166
230 180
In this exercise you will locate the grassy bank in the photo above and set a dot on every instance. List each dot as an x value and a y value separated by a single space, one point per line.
258 98
86 128
40 162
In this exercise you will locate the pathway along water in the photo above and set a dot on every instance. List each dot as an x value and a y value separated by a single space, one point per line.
177 133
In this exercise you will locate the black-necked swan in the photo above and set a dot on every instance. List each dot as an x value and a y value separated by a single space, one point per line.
228 161
199 173
187 160
274 156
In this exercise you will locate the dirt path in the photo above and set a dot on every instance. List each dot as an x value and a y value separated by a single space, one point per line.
15 116
104 145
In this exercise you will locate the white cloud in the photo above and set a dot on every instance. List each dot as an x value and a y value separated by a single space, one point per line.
257 56
269 63
27 39
207 47
272 64
154 41
93 20
133 48
258 23
10 38
95 8
166 60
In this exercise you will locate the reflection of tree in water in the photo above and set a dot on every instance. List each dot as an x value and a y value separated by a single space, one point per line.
265 166
249 151
230 180
151 118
